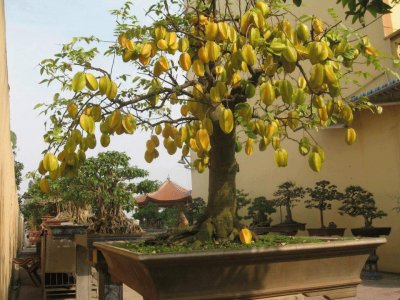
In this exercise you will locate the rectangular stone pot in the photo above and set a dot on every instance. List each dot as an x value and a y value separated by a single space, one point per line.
331 269
326 231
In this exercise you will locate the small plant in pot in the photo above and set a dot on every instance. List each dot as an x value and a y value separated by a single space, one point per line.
259 212
321 197
359 202
286 196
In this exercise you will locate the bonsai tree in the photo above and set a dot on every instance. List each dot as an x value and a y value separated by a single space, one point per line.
241 66
287 195
149 215
259 210
359 202
242 200
321 197
195 210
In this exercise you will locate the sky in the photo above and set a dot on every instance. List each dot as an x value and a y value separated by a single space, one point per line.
35 30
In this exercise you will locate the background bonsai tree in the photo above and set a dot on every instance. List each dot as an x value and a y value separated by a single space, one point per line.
321 197
242 200
259 212
240 66
359 202
287 195
195 210
99 193
149 216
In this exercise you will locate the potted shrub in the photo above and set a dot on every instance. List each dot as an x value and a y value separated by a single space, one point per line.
359 202
259 212
227 56
320 197
287 195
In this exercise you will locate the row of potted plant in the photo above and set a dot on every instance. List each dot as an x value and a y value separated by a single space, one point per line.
355 201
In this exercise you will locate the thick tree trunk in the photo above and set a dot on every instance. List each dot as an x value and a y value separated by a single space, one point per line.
221 221
321 216
289 217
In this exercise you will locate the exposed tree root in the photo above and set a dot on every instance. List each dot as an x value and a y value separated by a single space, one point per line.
117 223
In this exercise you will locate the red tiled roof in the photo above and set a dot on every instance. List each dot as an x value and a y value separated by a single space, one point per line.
168 194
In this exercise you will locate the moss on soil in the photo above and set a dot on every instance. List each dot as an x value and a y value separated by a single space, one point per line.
269 240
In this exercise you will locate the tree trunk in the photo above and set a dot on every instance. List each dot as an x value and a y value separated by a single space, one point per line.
321 216
289 217
220 212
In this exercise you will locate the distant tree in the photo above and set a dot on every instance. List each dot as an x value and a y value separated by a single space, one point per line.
195 210
321 197
149 215
259 211
287 195
242 200
359 202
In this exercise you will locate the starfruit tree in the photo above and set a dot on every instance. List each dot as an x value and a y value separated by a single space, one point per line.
242 73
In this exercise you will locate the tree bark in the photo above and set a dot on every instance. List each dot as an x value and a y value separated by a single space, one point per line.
220 212
289 217
321 215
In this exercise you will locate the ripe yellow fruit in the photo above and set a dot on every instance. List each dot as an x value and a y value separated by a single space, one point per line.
203 55
281 157
129 123
276 142
41 168
146 50
203 139
122 39
267 93
184 110
249 55
290 54
91 82
223 29
112 91
78 82
263 7
171 39
198 68
50 162
150 146
148 157
163 63
213 50
185 61
350 136
304 146
293 119
245 236
105 140
226 121
162 44
104 85
211 31
303 33
130 45
317 76
87 123
183 44
72 109
315 161
44 185
317 26
160 32
249 148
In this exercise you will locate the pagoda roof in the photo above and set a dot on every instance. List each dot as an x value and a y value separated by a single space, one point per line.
168 194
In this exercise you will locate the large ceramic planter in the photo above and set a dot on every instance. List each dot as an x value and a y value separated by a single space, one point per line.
326 231
371 231
287 228
330 269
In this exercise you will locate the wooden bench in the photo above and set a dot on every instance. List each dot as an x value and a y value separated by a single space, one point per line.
31 266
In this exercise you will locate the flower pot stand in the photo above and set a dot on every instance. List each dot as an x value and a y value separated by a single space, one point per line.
87 256
370 270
